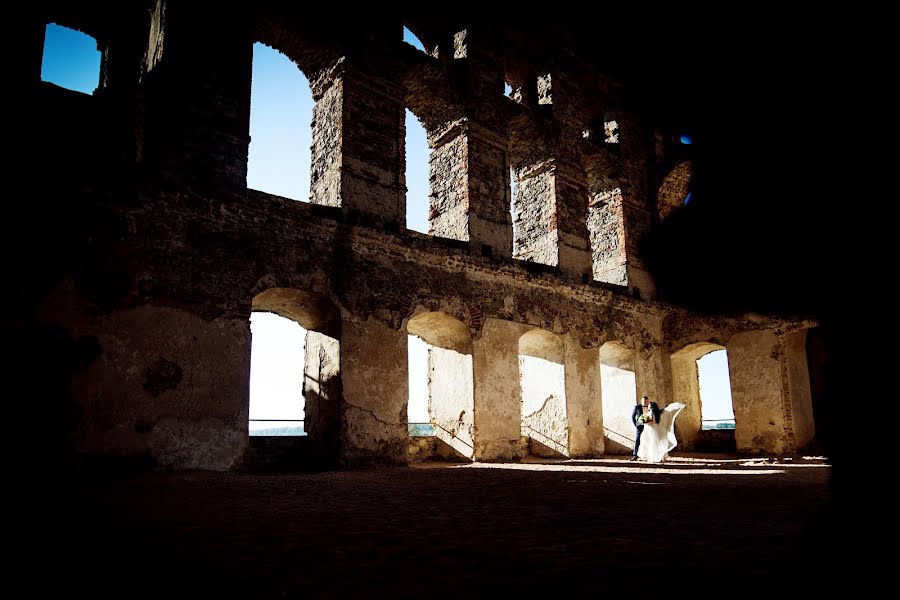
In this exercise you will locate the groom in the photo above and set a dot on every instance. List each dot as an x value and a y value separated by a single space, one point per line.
638 425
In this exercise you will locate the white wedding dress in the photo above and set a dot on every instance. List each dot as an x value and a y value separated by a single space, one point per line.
658 439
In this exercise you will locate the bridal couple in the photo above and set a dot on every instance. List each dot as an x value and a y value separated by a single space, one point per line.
655 430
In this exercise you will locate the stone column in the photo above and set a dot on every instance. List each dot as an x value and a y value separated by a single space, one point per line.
584 406
637 217
374 371
686 388
196 80
497 391
797 377
606 218
761 410
551 216
357 149
469 183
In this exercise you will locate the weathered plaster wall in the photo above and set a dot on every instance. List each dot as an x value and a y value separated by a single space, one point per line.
547 428
799 388
451 399
498 404
584 407
165 384
686 388
375 385
755 361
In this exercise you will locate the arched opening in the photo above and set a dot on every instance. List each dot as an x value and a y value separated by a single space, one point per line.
418 157
441 393
619 394
71 59
276 376
295 388
701 379
716 406
542 376
281 113
675 189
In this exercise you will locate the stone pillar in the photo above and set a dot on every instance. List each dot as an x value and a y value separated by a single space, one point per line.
797 376
571 220
374 371
551 216
469 183
686 388
551 184
584 407
497 391
357 149
322 393
761 410
606 219
637 217
197 74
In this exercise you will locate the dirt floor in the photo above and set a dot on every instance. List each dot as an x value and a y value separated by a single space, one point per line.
698 526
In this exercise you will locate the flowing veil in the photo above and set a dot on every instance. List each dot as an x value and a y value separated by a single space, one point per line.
667 426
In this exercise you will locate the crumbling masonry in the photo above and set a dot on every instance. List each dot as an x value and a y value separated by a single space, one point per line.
156 252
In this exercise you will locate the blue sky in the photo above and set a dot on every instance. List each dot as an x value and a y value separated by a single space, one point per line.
71 59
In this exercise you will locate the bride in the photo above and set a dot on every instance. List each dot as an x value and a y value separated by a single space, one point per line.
657 439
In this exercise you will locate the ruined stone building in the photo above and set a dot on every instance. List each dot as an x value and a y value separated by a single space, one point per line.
152 253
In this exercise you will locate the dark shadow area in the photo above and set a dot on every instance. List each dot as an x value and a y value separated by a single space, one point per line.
715 440
446 532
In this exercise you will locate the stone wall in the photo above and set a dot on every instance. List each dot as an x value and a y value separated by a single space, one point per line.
153 251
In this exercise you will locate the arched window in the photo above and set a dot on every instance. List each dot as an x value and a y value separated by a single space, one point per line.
619 395
717 409
281 109
295 383
276 376
441 387
71 59
543 382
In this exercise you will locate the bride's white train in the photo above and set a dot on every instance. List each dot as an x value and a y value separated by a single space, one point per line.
658 439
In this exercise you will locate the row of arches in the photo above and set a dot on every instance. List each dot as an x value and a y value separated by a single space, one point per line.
295 387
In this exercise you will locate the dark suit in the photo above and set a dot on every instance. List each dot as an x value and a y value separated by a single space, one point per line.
635 414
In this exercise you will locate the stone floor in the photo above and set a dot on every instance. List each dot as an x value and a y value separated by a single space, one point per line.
698 526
